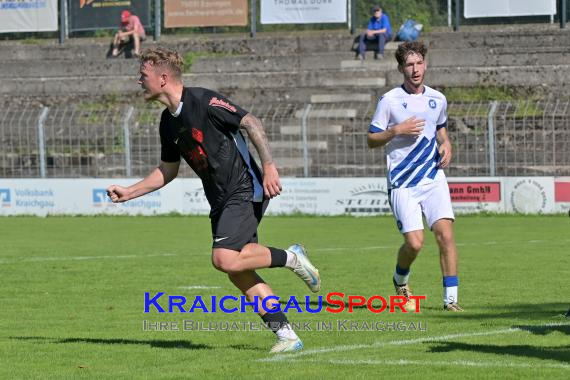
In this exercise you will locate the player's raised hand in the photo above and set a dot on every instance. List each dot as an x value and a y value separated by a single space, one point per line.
411 126
445 153
271 183
118 194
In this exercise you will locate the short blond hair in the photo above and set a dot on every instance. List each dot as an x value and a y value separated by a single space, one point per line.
163 57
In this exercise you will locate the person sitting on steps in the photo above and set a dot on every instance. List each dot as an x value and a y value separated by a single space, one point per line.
130 31
379 29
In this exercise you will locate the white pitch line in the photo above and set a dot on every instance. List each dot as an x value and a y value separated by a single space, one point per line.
25 259
400 342
457 363
79 258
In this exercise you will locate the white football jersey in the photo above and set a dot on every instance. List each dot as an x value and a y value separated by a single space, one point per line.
411 160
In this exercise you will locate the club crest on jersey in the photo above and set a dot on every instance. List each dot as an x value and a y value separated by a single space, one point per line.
221 103
405 105
432 104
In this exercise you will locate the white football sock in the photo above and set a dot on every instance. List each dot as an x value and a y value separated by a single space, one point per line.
286 332
449 294
291 259
401 279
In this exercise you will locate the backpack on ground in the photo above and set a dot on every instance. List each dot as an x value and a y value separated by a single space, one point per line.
409 31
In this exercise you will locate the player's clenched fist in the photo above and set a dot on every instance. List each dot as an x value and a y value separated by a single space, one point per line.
271 183
117 193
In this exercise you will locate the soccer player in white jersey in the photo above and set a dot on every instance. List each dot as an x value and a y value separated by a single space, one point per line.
411 122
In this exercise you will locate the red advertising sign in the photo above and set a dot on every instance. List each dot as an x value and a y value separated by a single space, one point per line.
475 191
562 191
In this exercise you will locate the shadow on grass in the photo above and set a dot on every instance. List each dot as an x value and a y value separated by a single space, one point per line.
561 353
544 330
246 347
180 344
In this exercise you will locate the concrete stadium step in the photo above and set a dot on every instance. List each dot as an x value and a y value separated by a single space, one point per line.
270 44
437 58
290 162
280 44
296 146
304 95
462 76
254 71
503 56
66 68
521 38
248 63
387 64
291 79
319 129
80 85
49 50
99 85
335 113
294 61
341 98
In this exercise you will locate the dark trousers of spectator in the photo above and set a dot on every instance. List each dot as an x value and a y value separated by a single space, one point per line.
381 38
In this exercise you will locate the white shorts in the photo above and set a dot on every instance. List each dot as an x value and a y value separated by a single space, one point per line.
432 199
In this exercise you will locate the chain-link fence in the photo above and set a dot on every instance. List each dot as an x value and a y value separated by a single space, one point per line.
504 138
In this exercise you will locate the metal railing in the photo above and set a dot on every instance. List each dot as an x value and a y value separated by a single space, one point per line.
502 138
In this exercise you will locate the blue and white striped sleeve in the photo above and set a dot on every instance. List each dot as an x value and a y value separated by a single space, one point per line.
381 117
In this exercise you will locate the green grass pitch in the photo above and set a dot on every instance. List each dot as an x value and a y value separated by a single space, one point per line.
72 298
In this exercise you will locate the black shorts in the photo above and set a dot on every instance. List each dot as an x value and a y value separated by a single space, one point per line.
237 225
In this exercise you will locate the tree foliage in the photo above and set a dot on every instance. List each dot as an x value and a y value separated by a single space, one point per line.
426 12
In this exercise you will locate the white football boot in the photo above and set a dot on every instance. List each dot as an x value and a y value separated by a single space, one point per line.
304 269
286 345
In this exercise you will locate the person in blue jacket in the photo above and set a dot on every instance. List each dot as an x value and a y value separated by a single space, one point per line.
378 29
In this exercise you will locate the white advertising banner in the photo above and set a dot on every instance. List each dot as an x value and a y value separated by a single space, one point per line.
316 196
303 11
529 195
28 15
80 196
508 8
332 196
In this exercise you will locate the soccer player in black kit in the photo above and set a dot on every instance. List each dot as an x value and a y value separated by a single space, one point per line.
203 127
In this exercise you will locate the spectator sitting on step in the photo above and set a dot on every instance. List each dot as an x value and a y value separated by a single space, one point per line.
379 30
131 31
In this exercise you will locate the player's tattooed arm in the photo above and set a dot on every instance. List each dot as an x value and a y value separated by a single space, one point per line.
256 133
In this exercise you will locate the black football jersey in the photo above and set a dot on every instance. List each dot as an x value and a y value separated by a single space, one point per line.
206 135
